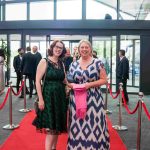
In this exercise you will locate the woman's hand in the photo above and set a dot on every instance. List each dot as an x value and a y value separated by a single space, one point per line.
67 90
65 81
70 85
41 104
87 85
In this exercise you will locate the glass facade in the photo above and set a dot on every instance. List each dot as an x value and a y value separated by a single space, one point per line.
15 44
106 45
16 11
131 44
69 9
100 10
41 10
72 9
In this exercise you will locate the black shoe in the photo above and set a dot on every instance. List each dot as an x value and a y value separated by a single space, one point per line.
30 96
21 96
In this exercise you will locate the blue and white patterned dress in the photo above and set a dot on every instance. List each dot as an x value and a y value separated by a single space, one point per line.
90 133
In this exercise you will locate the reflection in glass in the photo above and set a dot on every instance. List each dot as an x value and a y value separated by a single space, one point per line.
137 10
1 14
39 41
106 51
41 10
147 17
100 10
71 9
131 44
16 11
15 43
3 37
125 16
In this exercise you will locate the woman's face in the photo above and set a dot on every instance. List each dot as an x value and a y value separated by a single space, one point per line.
57 50
85 50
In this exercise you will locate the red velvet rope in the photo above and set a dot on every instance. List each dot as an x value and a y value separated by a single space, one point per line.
6 97
110 90
16 94
126 106
146 110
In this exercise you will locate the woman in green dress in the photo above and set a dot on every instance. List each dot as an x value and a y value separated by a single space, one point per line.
51 116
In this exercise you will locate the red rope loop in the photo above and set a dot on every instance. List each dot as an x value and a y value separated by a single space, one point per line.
20 89
110 90
4 101
126 106
146 110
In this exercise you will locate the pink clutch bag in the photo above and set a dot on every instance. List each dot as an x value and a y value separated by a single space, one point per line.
80 100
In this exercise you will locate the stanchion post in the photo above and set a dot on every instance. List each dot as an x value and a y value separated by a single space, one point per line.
106 100
120 104
120 127
139 121
24 91
10 125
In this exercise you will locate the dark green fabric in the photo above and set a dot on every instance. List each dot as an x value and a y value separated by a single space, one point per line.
54 114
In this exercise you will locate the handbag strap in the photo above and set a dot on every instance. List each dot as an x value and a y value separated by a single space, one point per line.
45 74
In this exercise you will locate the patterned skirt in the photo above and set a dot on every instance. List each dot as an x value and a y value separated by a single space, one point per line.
90 133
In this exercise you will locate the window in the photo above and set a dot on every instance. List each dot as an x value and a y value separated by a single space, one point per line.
3 37
69 9
15 43
16 11
131 44
41 10
147 17
125 16
0 13
100 10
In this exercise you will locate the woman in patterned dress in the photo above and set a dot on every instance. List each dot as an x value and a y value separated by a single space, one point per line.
2 74
90 133
51 116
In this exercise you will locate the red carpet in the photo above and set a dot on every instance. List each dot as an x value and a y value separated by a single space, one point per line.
26 138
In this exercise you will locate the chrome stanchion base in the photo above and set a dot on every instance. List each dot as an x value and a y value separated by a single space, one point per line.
120 128
108 111
25 110
10 127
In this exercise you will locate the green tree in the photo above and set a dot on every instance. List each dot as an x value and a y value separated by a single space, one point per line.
3 45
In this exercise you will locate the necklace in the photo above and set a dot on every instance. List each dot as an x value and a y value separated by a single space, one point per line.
55 64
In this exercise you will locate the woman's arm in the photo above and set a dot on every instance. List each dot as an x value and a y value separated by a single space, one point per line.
41 68
101 81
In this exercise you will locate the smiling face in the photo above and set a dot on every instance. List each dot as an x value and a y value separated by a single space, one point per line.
85 49
57 50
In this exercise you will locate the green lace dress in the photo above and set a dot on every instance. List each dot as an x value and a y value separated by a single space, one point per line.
53 118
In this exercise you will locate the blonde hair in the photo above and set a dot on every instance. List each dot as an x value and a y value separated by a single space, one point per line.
85 41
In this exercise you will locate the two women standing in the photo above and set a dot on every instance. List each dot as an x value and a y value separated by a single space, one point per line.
83 134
